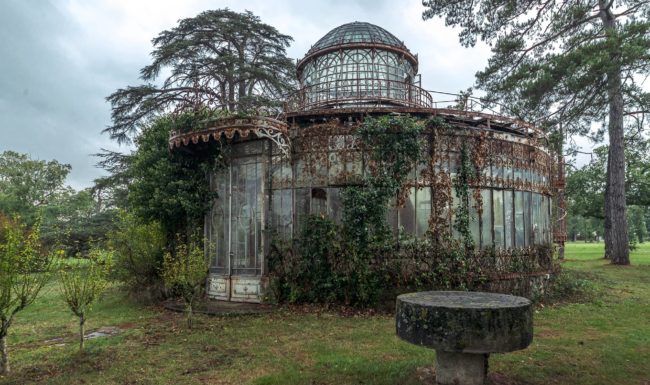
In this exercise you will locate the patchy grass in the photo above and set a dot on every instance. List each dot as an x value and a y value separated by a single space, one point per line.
605 340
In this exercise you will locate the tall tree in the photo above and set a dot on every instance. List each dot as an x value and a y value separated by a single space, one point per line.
168 187
218 59
586 186
584 61
26 185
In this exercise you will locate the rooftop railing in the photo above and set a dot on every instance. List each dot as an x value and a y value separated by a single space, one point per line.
357 93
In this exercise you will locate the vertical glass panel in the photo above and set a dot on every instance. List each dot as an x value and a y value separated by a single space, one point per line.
499 232
407 214
486 229
218 220
546 219
423 211
281 212
508 218
528 238
519 219
536 219
244 219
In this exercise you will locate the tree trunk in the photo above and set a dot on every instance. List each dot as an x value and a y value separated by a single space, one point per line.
561 203
4 356
619 251
82 321
608 219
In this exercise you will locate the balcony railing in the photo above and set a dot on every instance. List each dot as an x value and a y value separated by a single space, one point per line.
356 93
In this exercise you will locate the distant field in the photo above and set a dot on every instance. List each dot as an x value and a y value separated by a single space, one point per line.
580 251
605 341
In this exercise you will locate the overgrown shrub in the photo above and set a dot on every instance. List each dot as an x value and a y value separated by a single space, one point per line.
570 286
184 272
139 249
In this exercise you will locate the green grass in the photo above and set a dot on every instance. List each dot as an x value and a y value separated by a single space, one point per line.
603 341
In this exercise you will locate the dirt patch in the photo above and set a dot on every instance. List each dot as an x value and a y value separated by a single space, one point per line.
501 379
427 376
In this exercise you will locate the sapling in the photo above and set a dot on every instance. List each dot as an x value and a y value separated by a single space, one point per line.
83 284
24 270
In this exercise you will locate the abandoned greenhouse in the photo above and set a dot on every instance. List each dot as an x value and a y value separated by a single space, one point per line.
280 169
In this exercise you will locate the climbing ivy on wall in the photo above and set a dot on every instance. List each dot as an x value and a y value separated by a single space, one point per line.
393 146
463 217
359 262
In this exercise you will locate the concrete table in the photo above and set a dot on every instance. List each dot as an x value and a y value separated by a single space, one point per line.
464 328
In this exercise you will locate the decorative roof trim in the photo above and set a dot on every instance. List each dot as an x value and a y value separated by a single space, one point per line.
226 128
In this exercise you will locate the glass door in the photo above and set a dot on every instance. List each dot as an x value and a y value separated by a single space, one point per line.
234 229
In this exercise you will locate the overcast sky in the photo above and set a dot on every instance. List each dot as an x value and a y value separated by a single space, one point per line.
59 59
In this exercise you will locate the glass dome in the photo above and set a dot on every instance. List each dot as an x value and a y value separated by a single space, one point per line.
358 64
357 32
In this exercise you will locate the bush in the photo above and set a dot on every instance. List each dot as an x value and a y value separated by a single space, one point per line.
303 272
139 249
570 286
184 273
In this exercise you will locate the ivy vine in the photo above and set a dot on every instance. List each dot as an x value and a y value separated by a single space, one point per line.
463 217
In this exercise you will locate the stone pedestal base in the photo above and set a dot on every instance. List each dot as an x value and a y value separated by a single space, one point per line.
460 368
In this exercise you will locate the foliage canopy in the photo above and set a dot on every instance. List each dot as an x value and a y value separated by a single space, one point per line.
219 59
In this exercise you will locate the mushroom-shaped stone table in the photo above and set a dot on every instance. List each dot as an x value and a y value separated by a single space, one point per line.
464 328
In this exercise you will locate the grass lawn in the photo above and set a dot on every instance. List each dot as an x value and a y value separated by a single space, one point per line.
603 341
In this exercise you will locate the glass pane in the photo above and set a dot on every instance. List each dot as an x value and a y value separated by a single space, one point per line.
218 220
423 211
486 230
509 218
281 213
519 219
499 233
536 218
245 218
528 239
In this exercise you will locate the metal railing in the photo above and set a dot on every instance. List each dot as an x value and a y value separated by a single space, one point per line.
359 92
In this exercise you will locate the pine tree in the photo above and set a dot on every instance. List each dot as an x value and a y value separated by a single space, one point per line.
574 62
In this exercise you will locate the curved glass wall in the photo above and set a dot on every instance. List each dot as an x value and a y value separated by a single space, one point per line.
514 208
357 75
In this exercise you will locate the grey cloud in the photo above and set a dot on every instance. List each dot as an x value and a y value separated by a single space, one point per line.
55 70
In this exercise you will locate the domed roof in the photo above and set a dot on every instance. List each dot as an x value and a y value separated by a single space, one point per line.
357 32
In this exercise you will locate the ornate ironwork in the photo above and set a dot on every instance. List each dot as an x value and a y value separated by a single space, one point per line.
262 127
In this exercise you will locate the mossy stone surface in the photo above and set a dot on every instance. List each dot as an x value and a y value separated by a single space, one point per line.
465 322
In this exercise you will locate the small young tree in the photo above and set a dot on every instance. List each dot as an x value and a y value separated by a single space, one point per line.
82 285
184 272
23 273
